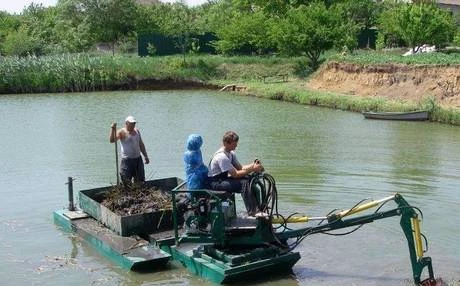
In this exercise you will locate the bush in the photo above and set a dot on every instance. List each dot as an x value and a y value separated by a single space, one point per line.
151 49
456 40
302 68
19 43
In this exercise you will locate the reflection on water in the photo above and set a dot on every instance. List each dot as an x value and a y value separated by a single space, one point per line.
74 252
415 159
321 159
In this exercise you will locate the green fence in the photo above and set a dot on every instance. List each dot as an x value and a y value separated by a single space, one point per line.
166 45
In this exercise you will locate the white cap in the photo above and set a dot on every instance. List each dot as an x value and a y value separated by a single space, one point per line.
130 119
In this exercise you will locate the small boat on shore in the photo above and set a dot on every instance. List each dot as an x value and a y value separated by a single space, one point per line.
408 116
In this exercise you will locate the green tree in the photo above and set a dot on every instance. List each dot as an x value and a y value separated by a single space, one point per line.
417 24
213 18
181 22
110 20
8 24
31 32
311 30
277 7
20 43
456 40
245 32
38 23
151 18
72 30
362 12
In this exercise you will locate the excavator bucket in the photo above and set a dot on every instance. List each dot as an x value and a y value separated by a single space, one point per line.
432 282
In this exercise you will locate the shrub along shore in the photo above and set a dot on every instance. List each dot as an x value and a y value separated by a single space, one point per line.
85 72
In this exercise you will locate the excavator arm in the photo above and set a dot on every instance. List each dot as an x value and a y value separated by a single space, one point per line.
410 224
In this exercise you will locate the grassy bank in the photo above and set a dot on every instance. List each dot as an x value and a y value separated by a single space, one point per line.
83 72
294 92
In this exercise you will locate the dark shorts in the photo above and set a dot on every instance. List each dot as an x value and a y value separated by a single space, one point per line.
228 185
132 168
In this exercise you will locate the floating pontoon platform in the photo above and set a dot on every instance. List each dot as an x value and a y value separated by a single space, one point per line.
133 253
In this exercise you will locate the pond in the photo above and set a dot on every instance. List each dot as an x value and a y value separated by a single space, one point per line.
322 160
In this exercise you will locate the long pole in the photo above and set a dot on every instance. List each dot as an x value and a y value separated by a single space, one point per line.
116 162
116 155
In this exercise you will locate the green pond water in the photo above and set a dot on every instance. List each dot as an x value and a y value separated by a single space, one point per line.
321 159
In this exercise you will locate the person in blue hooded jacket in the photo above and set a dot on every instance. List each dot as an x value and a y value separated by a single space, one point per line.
195 171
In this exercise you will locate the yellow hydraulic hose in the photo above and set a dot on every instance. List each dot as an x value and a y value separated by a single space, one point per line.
363 207
278 220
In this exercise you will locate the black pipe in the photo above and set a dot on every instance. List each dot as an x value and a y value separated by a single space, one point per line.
70 187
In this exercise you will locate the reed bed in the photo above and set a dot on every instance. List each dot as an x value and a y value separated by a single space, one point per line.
86 72
83 72
58 74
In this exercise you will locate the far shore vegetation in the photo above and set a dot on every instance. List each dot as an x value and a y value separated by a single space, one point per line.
85 72
53 49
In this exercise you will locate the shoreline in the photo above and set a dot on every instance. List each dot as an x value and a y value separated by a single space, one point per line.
296 91
395 86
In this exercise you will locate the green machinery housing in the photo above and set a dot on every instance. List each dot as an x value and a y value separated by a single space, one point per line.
223 247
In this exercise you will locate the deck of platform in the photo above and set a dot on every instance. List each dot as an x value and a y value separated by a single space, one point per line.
132 252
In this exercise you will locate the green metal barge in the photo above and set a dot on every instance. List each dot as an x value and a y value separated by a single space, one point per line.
204 233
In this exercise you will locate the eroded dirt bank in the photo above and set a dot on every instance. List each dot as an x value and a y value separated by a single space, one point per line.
392 81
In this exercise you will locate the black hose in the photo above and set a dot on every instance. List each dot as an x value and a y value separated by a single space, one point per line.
269 201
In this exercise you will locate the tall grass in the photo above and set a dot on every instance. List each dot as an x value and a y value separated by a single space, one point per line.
58 73
84 72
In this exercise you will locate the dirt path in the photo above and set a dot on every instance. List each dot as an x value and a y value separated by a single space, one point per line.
398 82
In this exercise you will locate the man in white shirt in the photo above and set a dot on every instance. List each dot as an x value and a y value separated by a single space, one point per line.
227 174
131 166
